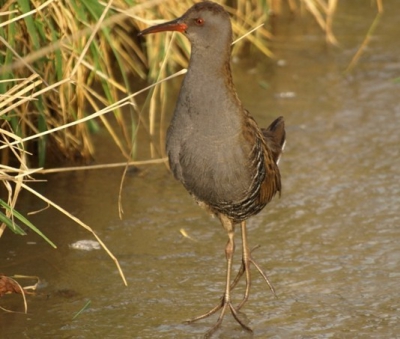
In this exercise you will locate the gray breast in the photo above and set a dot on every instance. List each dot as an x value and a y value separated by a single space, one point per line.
215 172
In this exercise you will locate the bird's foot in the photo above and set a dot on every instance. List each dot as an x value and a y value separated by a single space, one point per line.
245 268
223 306
271 287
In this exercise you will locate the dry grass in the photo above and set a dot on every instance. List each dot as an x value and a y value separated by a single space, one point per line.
57 52
11 285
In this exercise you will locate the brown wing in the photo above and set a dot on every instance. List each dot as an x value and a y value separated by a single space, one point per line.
275 138
265 154
274 142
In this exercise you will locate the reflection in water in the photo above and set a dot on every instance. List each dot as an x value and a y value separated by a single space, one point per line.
330 244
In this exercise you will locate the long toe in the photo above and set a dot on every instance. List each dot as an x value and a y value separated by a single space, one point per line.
223 306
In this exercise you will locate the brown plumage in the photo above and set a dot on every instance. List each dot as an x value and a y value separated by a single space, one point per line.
215 148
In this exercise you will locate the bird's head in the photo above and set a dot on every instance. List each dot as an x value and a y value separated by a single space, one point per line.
206 25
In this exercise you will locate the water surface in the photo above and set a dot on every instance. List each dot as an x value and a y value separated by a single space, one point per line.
330 245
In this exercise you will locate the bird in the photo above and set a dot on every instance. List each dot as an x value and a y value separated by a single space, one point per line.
215 148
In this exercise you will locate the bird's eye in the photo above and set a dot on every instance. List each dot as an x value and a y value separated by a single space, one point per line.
199 21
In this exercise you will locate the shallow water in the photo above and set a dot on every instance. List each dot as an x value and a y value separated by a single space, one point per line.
330 245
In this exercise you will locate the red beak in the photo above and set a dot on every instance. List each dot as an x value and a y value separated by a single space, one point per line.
174 25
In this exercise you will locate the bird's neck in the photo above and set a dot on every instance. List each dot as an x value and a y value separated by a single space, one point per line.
209 77
213 59
208 97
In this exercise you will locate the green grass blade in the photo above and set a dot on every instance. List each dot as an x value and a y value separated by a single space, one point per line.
25 221
30 24
81 310
11 224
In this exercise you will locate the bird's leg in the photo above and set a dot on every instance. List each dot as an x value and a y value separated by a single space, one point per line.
245 263
245 268
241 271
226 298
